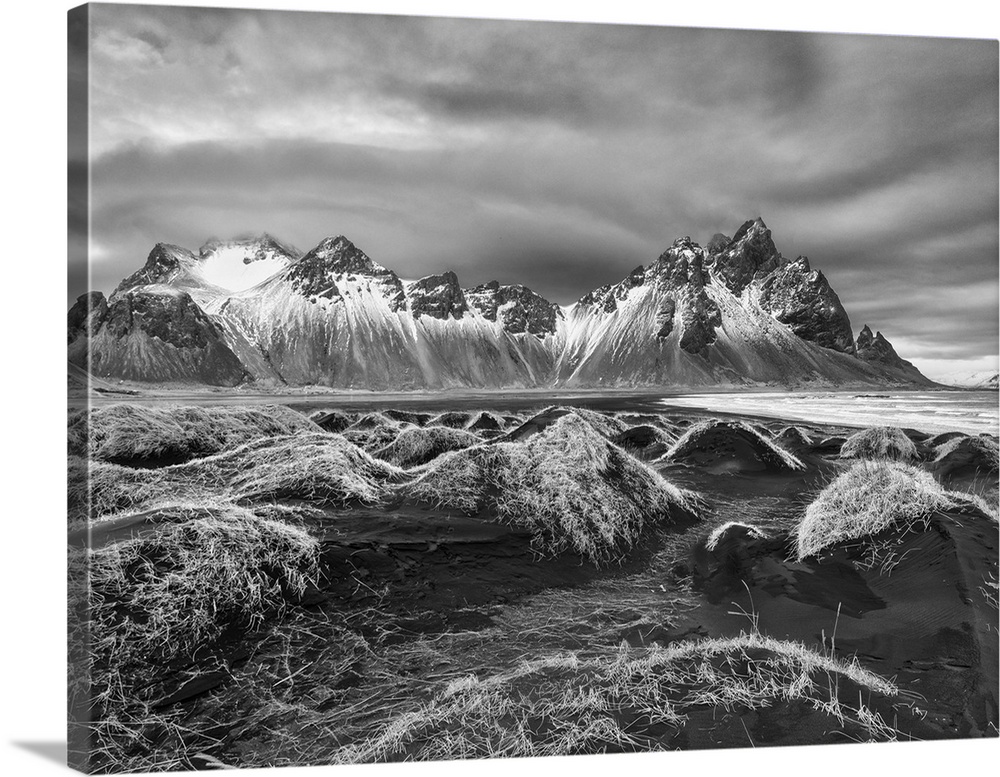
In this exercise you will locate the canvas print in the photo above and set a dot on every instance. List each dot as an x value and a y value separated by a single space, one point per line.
450 388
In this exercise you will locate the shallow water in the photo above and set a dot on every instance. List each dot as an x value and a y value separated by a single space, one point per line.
972 412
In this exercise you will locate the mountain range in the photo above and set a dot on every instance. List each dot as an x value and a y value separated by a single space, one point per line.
257 311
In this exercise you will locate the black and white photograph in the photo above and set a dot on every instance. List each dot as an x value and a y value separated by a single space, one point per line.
455 389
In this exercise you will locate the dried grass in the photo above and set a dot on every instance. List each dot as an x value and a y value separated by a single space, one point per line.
981 450
564 705
568 485
149 604
870 497
418 445
454 419
128 432
373 431
881 442
716 535
769 451
320 468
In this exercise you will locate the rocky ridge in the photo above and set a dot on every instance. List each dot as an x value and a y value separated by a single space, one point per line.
735 312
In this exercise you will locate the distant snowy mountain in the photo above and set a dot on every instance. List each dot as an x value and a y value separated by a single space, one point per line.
255 310
977 380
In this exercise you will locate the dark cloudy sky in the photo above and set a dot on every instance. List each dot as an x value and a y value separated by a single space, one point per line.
557 155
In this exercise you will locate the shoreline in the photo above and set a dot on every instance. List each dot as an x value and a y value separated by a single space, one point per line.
974 411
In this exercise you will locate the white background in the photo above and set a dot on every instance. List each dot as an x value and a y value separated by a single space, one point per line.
32 343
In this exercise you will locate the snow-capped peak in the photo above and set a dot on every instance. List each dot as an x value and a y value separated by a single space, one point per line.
240 264
339 255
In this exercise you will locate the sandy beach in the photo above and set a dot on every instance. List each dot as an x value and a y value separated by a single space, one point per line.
445 577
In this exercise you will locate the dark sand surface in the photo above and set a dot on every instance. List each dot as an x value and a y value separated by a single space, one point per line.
414 596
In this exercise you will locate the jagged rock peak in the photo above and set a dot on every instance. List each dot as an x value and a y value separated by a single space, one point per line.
717 243
875 348
168 314
682 246
606 298
87 314
803 300
155 333
750 253
340 255
754 226
162 265
516 307
438 296
336 261
680 265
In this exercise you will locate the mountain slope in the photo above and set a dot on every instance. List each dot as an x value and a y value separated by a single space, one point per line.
337 318
153 333
735 313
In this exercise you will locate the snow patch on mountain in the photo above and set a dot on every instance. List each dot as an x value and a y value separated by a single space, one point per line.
238 265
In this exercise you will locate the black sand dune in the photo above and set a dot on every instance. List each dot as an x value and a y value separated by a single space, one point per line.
829 445
887 565
730 446
313 468
965 456
648 441
408 417
455 419
912 604
794 439
566 483
606 425
940 439
140 435
331 420
486 422
462 596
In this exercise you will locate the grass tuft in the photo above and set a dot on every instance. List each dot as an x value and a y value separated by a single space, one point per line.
719 532
564 705
156 602
605 425
323 469
334 421
708 433
129 432
870 497
880 442
455 419
568 485
373 431
418 445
